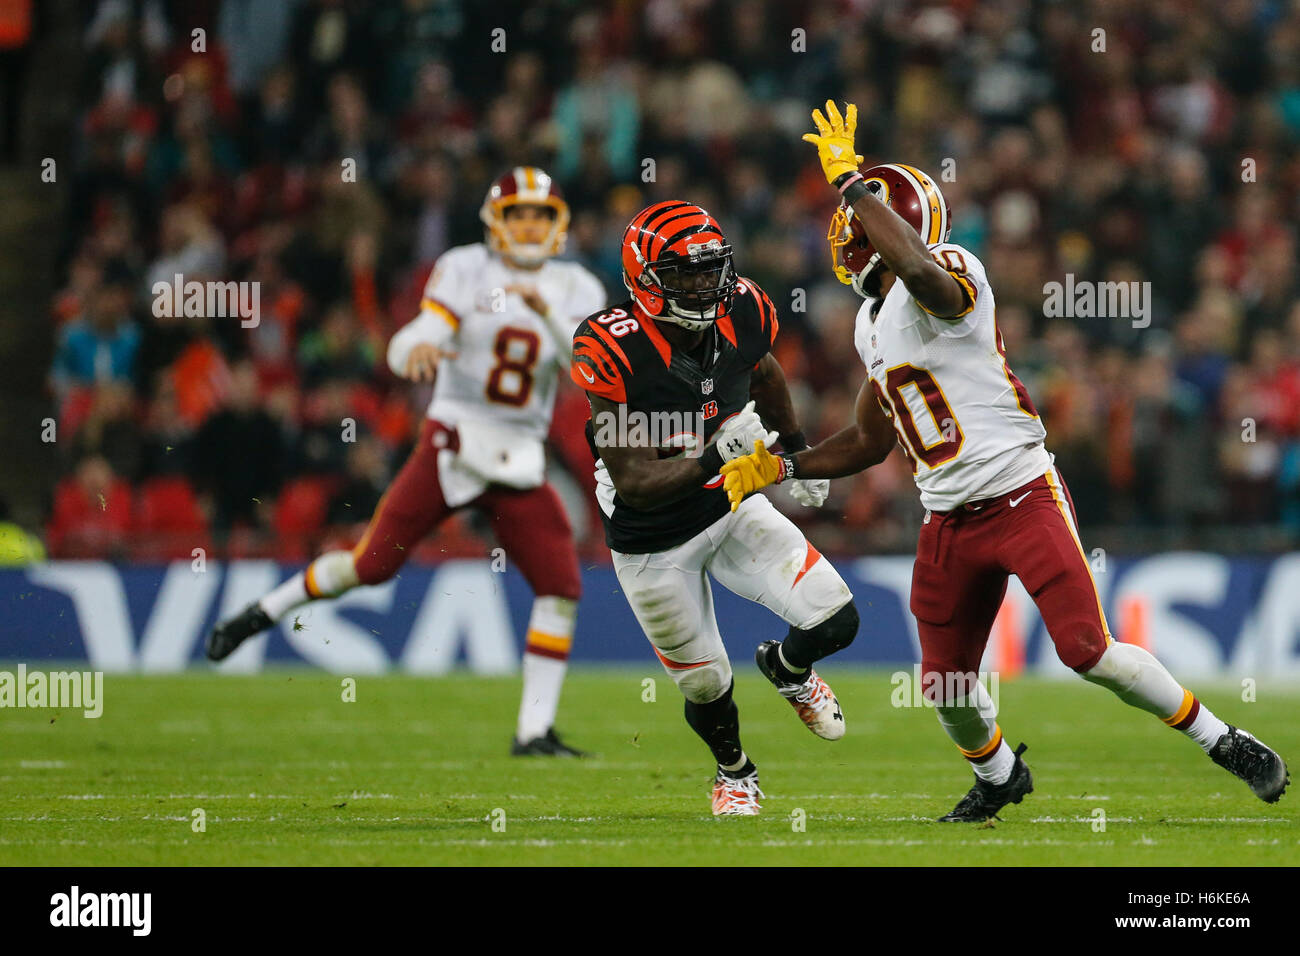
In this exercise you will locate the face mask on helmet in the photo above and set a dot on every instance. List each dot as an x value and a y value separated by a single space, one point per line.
695 288
855 262
531 233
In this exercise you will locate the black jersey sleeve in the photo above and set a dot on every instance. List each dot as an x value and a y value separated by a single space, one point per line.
752 324
600 366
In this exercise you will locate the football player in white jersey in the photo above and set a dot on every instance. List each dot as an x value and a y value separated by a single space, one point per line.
493 334
938 380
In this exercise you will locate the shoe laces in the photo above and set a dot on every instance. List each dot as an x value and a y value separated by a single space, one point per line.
740 790
813 693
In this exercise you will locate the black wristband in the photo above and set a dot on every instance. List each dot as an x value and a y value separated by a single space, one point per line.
854 193
791 468
851 185
795 441
710 461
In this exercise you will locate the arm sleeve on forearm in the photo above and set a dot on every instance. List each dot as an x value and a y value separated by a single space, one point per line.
428 328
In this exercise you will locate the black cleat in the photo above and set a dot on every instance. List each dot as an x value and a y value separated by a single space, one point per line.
985 799
1243 756
228 635
548 746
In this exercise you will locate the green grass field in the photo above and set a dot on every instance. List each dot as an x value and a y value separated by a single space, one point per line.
415 771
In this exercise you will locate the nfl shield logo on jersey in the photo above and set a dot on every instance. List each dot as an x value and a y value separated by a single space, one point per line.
706 387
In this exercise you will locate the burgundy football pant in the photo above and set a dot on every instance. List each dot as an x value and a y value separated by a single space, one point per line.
530 525
963 559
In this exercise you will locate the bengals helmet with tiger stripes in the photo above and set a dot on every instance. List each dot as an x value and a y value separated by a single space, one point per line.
677 265
522 186
910 193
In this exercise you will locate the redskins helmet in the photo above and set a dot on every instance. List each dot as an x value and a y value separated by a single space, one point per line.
910 193
677 265
524 185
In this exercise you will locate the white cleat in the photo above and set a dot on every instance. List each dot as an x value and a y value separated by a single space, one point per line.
736 797
813 700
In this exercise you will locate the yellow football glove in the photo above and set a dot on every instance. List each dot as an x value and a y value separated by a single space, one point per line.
834 140
747 474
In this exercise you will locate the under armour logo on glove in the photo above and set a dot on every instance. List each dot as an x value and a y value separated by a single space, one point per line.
736 437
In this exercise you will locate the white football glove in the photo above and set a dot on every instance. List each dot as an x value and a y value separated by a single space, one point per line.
736 437
810 492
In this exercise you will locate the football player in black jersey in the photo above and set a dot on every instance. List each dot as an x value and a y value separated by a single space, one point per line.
681 378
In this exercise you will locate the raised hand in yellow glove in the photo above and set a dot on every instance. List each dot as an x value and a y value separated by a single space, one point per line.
748 473
834 140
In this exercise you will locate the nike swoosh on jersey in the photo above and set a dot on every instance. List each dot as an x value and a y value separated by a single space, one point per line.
1015 501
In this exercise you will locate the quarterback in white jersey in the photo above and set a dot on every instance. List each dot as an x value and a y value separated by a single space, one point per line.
493 334
938 382
505 353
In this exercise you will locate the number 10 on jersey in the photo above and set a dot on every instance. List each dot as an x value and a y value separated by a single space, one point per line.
909 390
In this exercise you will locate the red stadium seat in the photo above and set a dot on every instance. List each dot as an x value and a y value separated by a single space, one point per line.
167 522
80 527
168 505
300 509
75 408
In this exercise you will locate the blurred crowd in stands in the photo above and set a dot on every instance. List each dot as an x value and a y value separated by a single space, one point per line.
1162 150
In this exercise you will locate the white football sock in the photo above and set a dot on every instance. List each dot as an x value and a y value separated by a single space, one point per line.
328 576
1204 728
971 722
546 658
997 768
283 599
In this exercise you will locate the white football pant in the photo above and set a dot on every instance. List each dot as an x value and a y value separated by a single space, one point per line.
755 552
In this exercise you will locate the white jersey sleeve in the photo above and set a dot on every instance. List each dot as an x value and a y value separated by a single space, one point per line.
584 296
588 298
963 266
446 298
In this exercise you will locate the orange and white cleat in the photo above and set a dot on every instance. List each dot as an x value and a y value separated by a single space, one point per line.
736 796
813 700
